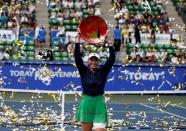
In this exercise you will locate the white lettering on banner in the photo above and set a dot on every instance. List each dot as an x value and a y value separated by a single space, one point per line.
73 74
7 35
66 74
36 75
143 75
18 73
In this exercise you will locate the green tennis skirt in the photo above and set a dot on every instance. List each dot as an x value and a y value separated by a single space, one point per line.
92 109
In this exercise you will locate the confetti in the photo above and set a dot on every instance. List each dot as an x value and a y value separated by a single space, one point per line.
169 102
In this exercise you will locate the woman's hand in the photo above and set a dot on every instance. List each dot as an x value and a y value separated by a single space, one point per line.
110 41
78 38
107 33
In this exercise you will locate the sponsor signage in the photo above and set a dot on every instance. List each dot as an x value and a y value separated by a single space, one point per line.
65 77
7 35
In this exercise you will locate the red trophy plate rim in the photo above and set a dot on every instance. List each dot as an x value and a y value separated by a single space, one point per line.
93 27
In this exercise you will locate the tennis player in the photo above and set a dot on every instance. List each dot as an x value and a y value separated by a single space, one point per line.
92 112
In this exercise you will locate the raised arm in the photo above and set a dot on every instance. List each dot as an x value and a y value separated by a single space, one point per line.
111 59
78 58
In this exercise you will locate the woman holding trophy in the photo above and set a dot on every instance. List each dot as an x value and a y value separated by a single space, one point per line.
92 112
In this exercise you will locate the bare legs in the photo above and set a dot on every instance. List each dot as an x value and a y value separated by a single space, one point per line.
88 127
100 129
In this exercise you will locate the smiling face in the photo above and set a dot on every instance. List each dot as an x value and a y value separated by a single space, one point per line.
93 63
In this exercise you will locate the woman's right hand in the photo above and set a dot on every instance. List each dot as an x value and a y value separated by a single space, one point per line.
78 38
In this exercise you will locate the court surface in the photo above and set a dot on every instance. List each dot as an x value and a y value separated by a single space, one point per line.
24 111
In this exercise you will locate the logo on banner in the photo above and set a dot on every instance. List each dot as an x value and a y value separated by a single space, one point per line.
43 73
7 35
151 76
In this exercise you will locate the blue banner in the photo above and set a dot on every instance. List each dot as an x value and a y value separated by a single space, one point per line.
65 77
